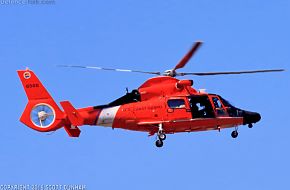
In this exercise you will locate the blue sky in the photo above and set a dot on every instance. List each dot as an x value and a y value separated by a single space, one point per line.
148 35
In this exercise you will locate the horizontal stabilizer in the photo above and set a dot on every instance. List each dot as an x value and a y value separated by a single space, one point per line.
73 115
72 131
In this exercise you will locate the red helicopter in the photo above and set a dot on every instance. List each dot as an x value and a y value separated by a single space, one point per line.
162 105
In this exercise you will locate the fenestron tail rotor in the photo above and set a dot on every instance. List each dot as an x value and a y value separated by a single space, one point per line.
42 115
179 65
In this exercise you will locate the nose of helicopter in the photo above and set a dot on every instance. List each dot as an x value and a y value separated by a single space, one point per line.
251 117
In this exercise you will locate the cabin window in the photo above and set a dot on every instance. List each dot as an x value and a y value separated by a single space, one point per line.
176 103
201 107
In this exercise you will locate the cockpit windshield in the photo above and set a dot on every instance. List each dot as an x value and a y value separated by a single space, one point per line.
232 110
225 102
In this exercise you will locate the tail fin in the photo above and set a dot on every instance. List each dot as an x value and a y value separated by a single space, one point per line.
32 86
41 112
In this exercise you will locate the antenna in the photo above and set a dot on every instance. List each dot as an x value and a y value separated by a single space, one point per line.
127 90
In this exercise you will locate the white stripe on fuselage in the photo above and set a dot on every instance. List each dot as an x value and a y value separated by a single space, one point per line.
107 116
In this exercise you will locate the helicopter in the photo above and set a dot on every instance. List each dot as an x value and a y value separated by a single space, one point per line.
162 105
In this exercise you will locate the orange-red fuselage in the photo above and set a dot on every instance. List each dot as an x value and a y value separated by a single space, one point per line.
161 100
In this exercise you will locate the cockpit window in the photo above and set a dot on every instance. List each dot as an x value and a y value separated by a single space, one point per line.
216 102
218 106
176 103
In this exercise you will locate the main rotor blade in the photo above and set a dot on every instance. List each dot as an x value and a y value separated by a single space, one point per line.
231 73
187 57
109 69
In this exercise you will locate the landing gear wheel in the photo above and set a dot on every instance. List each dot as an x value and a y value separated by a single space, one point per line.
159 143
162 136
250 125
235 134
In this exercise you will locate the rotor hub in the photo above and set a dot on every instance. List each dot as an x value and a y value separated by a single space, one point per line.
170 73
42 115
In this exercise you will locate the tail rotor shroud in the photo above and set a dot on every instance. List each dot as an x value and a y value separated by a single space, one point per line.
42 115
41 112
